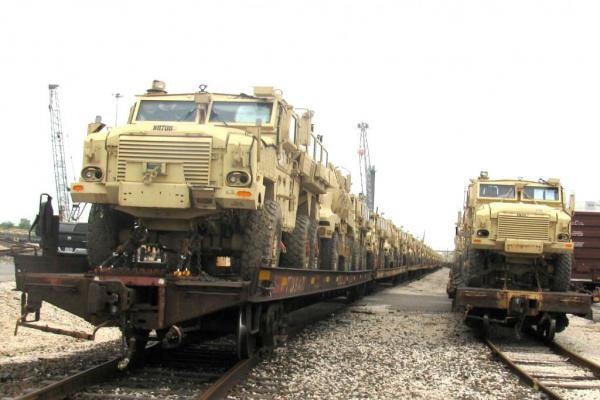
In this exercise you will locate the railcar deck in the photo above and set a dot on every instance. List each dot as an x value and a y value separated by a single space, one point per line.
536 302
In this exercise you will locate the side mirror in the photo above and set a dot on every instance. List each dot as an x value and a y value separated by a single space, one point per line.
304 129
572 204
95 126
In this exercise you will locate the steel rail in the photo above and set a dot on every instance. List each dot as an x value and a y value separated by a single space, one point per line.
220 388
570 358
75 383
576 358
535 383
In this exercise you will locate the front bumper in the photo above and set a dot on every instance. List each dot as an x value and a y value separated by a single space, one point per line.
522 246
537 302
140 199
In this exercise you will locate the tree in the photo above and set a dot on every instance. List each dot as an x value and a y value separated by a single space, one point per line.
7 225
24 223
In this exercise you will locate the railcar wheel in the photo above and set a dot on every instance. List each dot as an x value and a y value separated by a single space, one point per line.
133 343
246 342
485 325
546 329
270 325
262 239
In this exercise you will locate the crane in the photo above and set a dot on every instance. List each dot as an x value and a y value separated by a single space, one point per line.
367 171
66 212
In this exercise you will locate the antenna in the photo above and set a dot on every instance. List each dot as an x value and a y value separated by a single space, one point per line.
117 97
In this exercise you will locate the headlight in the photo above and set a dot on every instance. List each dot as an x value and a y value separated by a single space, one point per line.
238 178
563 237
483 233
91 174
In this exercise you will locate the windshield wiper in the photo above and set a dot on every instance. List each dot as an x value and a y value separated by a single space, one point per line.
187 115
214 114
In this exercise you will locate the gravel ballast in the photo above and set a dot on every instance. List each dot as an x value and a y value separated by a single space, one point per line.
32 357
371 349
376 352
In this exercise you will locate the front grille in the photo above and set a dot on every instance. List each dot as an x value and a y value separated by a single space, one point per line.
523 227
194 153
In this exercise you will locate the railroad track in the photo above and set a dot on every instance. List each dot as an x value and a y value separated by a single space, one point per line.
550 368
203 371
193 372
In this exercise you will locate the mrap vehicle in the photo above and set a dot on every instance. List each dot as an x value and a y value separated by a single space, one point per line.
514 254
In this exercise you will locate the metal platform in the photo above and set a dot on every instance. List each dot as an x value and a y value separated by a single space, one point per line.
151 300
533 302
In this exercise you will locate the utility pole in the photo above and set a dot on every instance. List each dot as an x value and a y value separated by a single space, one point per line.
58 155
367 171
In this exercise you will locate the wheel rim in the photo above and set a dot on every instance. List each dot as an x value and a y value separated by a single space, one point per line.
245 341
485 325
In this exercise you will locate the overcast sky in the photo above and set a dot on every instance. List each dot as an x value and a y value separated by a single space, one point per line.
448 88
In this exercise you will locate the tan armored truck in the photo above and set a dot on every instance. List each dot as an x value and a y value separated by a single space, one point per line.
338 245
215 182
514 234
372 241
387 242
361 213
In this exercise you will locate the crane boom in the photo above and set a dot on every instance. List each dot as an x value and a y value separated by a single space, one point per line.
58 156
367 171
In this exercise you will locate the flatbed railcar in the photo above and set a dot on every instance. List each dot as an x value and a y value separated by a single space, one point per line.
521 309
140 299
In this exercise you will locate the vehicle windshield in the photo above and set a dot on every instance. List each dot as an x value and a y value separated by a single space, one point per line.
241 112
169 110
497 191
540 193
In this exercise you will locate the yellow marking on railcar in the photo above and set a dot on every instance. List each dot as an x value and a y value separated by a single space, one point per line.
264 275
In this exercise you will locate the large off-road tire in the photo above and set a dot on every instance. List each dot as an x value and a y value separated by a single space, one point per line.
355 256
457 279
298 244
370 261
562 273
104 224
262 240
328 253
363 259
475 267
314 245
